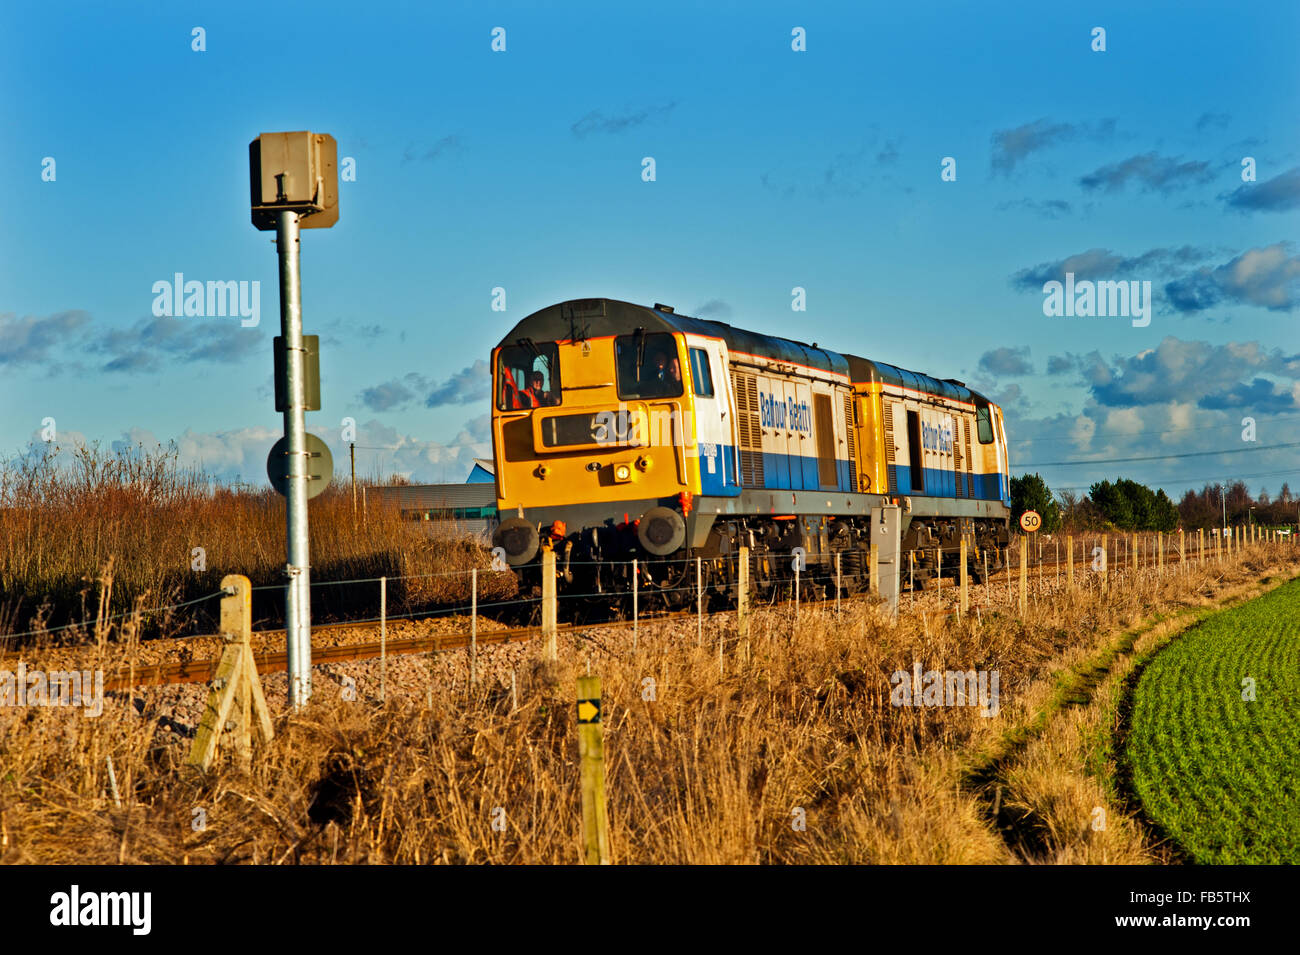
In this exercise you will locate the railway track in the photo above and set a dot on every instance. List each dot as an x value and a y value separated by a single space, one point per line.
202 671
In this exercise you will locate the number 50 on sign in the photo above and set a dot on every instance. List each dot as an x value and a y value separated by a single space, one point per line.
1030 521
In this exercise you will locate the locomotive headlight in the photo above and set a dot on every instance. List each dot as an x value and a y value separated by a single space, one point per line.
622 472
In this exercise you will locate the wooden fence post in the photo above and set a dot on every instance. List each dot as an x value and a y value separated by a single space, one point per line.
838 554
473 626
699 602
742 603
383 639
549 609
591 755
1069 563
236 704
796 595
635 581
1024 576
1105 563
964 603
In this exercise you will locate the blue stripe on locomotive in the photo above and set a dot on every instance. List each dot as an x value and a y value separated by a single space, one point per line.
939 482
776 473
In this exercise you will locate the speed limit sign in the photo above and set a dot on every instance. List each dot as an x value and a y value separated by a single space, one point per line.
1030 521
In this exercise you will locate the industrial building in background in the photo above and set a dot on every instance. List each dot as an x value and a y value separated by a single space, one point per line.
446 510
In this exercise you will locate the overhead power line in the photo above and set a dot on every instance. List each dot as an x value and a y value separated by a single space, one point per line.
1135 434
1158 457
1216 479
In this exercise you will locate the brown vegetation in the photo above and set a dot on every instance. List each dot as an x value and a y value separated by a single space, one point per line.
710 767
135 518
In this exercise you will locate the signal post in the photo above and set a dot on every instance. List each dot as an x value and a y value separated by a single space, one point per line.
293 180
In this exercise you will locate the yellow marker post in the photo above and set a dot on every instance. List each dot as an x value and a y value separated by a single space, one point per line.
591 755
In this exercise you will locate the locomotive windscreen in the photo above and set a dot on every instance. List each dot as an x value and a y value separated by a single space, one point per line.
648 366
528 376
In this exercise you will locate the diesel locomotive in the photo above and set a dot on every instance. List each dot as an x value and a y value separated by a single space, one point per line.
622 431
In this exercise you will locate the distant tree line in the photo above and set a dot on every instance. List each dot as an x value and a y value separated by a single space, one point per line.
1206 508
1128 505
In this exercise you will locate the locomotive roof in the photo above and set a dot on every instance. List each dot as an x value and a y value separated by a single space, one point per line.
864 369
599 317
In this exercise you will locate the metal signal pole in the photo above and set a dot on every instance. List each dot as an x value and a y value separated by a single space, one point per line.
293 179
298 569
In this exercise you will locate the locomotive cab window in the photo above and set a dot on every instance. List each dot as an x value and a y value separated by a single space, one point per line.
984 424
647 366
701 377
528 376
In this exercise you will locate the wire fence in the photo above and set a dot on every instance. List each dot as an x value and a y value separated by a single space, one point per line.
1091 557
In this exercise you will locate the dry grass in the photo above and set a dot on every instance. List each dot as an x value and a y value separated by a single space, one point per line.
135 517
709 770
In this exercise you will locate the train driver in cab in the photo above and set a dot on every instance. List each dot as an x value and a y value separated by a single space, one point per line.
536 391
665 375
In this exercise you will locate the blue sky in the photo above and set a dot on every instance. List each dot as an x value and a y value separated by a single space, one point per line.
774 169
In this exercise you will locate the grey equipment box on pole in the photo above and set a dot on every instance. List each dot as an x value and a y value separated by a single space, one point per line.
298 172
311 373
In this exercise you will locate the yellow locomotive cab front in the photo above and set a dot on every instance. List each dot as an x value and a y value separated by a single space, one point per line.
592 421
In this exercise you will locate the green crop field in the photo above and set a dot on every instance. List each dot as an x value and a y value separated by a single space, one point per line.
1212 768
